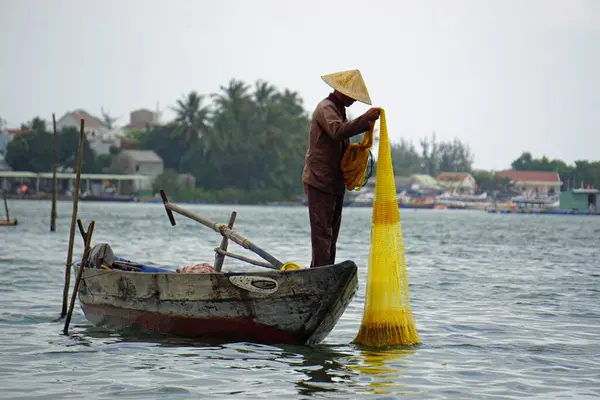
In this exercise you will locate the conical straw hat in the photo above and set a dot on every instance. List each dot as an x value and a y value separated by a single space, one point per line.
350 83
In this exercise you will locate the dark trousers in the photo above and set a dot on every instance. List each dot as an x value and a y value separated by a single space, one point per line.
325 214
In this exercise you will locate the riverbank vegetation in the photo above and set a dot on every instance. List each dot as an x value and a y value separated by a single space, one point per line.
246 144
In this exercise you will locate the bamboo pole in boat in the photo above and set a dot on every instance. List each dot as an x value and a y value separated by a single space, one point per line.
73 219
219 228
220 258
86 251
243 258
53 211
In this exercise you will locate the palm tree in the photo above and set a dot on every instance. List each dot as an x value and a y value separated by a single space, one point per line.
192 117
263 93
107 119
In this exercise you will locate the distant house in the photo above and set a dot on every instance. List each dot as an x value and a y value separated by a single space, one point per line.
542 182
4 140
417 182
101 138
141 119
3 165
138 162
457 182
92 125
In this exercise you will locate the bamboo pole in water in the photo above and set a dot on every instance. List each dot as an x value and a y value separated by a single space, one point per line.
5 205
86 252
73 219
53 211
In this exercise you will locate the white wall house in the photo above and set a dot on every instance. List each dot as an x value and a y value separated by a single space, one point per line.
138 162
532 182
100 137
457 182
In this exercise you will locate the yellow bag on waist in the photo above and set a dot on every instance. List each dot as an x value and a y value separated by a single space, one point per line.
355 161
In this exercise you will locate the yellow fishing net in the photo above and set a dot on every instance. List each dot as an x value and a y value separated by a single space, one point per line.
355 161
387 317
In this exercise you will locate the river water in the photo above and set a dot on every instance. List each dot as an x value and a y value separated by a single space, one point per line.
507 307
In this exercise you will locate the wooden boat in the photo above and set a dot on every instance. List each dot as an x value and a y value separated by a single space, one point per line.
287 304
294 307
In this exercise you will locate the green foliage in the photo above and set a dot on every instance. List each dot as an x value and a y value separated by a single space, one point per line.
251 143
581 173
488 181
29 152
67 144
33 151
248 146
434 157
406 159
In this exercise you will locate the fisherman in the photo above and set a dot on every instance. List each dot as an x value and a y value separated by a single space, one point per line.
322 176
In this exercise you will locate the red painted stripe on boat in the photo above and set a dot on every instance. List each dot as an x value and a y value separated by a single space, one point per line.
229 329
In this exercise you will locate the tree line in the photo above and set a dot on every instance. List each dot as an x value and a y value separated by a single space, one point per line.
33 151
246 143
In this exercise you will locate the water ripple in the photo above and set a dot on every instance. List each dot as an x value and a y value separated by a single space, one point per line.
507 307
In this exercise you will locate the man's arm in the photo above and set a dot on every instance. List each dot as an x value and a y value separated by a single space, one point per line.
332 124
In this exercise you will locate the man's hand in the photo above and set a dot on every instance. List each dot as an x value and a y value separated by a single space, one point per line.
373 114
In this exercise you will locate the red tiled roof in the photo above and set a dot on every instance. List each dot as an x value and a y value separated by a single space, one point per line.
452 176
16 132
530 176
89 120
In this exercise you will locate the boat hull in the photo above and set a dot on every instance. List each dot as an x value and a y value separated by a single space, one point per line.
425 206
294 307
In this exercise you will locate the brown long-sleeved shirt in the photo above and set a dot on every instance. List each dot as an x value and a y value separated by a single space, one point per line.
330 131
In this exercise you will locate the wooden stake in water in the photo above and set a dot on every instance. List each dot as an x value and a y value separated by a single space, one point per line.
73 221
86 252
53 211
5 205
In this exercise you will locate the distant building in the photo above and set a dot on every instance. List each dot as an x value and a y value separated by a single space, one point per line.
3 165
141 119
417 182
541 182
138 162
92 125
457 182
4 140
100 137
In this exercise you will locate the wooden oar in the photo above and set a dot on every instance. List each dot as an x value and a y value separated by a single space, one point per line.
223 229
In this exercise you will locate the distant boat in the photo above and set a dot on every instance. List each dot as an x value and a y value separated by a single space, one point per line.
108 197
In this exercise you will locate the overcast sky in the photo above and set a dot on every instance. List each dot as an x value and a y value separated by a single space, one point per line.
503 76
